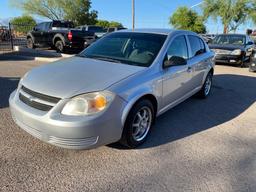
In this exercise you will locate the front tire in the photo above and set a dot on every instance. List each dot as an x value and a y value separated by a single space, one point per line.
30 43
138 124
207 87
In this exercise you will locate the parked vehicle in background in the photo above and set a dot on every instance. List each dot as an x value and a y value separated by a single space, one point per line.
113 29
114 89
210 36
59 35
232 48
207 37
5 33
252 65
97 30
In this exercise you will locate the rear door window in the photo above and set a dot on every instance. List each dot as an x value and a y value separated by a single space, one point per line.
178 48
197 45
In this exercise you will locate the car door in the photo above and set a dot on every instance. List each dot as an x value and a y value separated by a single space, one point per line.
39 34
47 33
198 60
176 79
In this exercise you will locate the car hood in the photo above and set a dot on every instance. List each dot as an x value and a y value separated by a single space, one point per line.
226 47
73 76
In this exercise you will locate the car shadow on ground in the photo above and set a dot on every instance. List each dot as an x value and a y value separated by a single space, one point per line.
231 96
7 85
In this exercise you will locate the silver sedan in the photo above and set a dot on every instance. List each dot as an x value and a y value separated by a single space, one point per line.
113 90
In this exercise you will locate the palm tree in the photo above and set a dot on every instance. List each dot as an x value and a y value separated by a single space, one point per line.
232 13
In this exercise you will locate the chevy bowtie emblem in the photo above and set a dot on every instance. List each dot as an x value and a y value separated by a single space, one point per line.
31 98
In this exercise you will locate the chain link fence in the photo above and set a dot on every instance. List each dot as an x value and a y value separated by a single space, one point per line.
14 35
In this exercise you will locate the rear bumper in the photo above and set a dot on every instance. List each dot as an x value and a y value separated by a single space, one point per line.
79 44
69 132
75 45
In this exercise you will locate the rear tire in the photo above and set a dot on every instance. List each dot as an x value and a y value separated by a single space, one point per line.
59 45
138 124
207 87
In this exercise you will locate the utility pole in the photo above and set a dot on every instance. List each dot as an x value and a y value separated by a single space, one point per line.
133 14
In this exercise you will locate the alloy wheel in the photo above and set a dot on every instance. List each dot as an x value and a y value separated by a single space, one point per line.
142 123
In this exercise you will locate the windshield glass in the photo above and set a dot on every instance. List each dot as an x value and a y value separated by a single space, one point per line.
229 39
130 48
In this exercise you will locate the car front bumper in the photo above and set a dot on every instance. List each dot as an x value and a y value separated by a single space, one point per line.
229 59
69 131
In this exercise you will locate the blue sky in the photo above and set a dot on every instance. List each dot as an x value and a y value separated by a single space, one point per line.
149 13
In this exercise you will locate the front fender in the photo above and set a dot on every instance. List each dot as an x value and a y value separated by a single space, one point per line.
132 99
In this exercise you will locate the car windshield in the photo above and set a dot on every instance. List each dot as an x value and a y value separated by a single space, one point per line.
129 48
229 40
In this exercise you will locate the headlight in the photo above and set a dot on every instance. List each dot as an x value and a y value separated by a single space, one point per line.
88 104
236 52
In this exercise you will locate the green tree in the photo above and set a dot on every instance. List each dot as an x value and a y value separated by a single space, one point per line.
115 24
23 24
78 11
106 24
187 19
102 23
232 13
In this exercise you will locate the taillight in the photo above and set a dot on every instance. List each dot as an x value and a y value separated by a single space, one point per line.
70 36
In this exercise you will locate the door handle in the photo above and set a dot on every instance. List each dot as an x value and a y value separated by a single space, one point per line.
189 70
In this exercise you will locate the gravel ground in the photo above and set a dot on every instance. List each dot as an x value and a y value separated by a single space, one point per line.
200 145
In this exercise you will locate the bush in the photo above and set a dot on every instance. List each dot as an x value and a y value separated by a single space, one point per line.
22 25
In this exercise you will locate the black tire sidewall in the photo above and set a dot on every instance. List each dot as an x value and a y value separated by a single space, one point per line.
208 76
201 93
59 46
127 138
30 43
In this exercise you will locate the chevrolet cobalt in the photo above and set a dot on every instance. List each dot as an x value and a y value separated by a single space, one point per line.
113 90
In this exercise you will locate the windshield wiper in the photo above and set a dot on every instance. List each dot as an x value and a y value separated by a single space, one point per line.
103 58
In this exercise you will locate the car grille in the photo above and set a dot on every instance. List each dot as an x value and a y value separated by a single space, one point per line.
37 100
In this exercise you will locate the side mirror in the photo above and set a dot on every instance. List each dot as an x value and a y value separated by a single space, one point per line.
174 61
250 43
34 29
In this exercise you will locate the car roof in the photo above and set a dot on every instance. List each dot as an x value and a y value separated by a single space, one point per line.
158 31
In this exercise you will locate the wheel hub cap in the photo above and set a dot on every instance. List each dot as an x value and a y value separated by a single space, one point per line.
208 84
142 123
